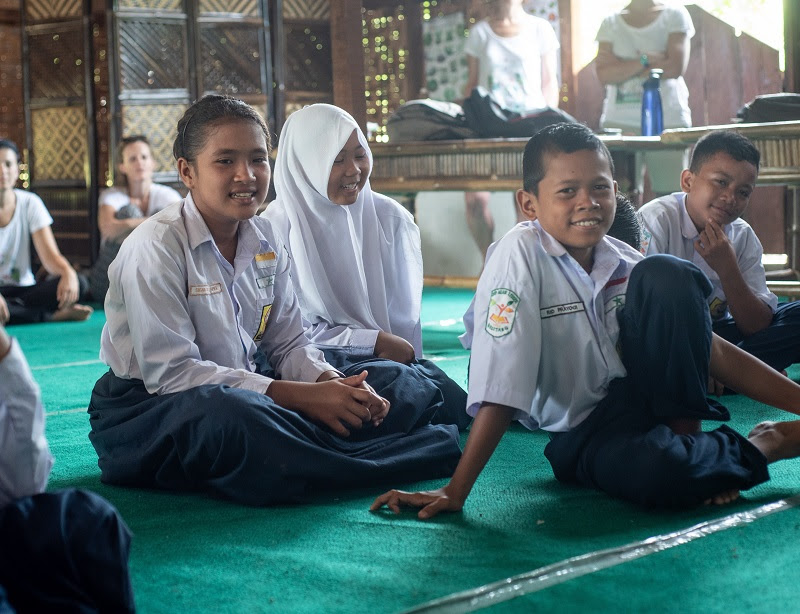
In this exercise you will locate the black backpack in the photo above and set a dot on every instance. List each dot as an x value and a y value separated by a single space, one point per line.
490 120
771 108
428 120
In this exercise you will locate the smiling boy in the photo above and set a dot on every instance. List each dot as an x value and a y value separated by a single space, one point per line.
575 333
702 224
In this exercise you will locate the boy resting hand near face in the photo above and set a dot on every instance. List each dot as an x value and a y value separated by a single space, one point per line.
702 224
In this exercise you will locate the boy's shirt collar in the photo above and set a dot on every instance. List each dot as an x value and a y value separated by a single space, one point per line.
607 258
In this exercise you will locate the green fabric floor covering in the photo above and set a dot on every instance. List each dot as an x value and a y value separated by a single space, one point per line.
192 554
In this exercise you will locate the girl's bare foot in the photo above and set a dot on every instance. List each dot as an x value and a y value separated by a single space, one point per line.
722 498
777 440
73 313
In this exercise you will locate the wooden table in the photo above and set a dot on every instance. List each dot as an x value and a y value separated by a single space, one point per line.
496 164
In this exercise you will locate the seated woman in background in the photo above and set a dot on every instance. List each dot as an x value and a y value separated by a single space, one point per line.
122 208
356 258
23 217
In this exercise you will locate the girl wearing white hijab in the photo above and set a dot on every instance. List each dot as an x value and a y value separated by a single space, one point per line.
356 258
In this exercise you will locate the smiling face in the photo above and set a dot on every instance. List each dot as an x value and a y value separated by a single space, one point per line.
576 201
9 169
349 172
720 190
230 175
137 162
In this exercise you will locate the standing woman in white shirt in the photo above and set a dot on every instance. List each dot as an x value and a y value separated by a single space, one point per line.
213 385
357 263
514 56
24 219
122 208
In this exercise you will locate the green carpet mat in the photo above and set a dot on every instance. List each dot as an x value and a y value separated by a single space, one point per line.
191 553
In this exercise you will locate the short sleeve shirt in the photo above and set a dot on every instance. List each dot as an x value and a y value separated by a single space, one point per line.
29 217
623 103
160 197
668 229
511 67
543 333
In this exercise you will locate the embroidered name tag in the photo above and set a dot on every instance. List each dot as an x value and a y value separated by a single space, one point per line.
265 282
503 304
561 310
266 260
205 290
262 326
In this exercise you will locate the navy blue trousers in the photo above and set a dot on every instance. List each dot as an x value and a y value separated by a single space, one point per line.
36 303
778 345
240 445
624 447
391 380
65 551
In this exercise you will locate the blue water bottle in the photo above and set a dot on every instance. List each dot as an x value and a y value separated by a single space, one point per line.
652 113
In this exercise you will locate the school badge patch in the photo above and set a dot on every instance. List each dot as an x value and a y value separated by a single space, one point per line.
503 304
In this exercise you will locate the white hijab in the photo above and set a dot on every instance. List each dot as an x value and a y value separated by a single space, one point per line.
357 265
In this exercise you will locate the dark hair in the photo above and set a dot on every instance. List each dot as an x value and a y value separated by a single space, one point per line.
209 110
553 139
733 143
626 225
8 144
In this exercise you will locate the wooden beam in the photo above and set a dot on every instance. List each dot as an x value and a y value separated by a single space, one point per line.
791 34
347 55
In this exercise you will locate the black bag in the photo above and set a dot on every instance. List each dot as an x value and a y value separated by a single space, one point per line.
490 120
428 120
782 107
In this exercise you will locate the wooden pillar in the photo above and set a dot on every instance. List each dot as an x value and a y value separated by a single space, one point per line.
348 59
791 33
12 114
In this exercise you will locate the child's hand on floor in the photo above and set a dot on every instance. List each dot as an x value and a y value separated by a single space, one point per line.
431 501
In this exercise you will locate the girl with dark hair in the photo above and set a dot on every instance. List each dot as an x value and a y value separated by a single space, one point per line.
213 385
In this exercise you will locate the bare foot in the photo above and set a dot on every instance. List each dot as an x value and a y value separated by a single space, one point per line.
729 496
684 426
777 440
73 313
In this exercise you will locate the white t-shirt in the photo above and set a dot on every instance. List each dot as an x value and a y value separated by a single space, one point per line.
668 229
160 197
511 67
543 332
622 107
15 239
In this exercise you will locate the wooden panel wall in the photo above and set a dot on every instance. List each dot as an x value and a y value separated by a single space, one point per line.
12 108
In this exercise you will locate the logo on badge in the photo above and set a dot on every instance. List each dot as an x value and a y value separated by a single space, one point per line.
503 304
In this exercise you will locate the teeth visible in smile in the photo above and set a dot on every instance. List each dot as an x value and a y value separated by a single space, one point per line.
587 223
242 194
350 186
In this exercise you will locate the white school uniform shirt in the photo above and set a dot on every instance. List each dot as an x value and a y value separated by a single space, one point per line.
357 268
25 459
510 67
542 331
668 229
178 315
29 217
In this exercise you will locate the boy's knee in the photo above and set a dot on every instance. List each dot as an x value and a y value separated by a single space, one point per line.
669 276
